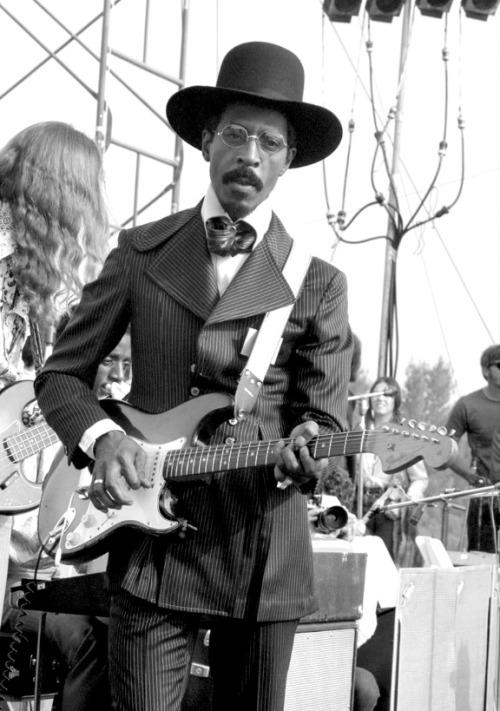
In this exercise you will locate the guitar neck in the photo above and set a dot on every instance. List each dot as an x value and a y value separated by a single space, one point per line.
196 461
22 445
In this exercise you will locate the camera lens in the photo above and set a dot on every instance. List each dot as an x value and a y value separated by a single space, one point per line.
331 519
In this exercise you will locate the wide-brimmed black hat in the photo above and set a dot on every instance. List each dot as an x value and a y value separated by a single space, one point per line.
264 74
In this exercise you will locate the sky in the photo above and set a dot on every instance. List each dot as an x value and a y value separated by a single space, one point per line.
447 271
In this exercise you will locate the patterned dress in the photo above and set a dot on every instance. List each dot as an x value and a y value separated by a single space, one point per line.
14 320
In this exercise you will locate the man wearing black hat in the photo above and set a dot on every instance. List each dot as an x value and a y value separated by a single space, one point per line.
477 415
195 286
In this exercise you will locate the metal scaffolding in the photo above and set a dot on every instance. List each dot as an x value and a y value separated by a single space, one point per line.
103 125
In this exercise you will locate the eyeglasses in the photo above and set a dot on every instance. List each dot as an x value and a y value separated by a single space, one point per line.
236 136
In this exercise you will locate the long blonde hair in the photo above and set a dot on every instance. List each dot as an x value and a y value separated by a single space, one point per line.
51 176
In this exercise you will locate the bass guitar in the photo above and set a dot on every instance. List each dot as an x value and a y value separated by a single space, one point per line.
173 445
24 433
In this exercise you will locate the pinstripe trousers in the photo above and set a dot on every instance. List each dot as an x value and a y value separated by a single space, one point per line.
150 650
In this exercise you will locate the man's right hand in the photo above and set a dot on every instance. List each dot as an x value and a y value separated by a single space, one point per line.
119 466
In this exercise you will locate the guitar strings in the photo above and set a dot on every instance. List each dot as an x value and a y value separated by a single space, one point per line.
23 444
198 455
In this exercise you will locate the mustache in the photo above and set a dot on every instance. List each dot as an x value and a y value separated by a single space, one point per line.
244 176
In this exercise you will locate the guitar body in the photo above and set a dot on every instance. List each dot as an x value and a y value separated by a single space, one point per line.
68 521
19 489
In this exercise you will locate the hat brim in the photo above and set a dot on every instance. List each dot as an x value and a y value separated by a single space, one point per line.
318 130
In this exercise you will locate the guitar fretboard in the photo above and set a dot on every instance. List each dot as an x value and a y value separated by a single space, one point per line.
21 445
194 461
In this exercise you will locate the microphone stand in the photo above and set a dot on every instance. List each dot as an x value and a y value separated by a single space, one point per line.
477 492
363 406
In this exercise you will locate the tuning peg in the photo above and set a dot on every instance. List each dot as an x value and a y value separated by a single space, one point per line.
442 431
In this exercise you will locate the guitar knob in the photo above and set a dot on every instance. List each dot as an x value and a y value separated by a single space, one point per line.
88 520
73 538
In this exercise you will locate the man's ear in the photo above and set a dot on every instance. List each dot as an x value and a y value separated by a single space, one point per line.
206 142
289 158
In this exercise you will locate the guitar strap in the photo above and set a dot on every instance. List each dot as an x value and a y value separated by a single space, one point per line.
36 345
268 339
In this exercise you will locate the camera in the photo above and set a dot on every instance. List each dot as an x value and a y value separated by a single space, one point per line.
331 519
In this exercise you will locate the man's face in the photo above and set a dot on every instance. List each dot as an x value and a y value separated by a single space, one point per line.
244 176
115 371
492 374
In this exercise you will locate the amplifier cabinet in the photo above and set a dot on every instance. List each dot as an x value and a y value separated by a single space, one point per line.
321 670
339 578
441 639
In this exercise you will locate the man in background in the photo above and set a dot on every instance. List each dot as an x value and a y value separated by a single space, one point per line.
77 643
477 415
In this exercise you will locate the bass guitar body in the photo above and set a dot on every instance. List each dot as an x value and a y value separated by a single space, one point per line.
20 485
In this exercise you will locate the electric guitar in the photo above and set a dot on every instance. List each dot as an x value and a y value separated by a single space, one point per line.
76 531
22 435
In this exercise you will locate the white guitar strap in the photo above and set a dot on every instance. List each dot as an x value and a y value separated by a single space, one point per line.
267 340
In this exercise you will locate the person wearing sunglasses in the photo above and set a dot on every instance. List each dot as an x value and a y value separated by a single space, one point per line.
476 416
195 286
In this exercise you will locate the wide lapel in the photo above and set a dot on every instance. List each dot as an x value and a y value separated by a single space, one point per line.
184 268
259 285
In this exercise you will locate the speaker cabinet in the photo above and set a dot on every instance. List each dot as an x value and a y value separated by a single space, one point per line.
442 638
321 670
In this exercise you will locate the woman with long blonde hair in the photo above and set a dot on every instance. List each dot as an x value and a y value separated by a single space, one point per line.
53 231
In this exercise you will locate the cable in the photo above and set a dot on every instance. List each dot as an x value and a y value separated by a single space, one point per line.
443 145
11 666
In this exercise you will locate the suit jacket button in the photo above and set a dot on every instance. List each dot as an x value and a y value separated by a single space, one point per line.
195 391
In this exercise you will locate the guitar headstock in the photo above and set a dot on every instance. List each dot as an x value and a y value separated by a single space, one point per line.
399 446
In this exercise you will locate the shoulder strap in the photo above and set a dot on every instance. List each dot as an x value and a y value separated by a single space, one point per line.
268 339
36 345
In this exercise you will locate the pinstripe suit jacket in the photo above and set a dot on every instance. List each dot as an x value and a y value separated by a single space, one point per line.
251 555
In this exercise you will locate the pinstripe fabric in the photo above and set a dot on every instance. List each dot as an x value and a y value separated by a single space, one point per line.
149 666
251 557
152 649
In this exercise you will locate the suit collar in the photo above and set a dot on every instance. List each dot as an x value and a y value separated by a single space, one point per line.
184 268
259 285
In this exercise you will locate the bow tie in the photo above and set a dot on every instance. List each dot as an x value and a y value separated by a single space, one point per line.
229 238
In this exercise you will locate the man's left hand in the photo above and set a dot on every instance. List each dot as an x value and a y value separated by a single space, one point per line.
294 464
